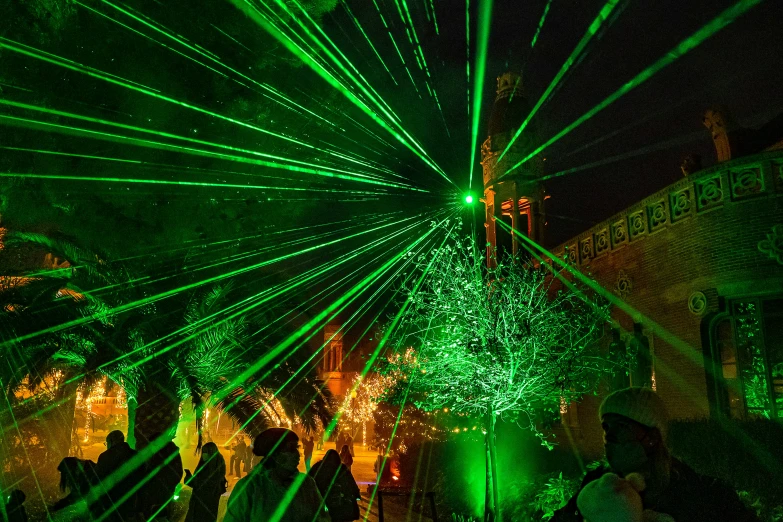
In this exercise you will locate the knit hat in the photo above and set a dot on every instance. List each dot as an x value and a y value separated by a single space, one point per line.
642 405
271 439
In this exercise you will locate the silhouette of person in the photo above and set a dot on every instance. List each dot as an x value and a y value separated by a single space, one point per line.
239 454
120 470
276 486
14 508
77 477
308 445
164 468
337 486
346 457
635 424
383 475
208 483
248 459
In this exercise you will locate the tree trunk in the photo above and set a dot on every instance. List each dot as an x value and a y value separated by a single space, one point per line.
493 468
157 413
62 419
133 402
488 509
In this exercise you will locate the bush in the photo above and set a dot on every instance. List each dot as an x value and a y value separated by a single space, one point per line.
745 454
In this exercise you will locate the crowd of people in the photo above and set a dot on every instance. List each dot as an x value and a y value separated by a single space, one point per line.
641 481
126 485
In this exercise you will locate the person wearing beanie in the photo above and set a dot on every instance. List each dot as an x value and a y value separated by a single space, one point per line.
636 426
275 490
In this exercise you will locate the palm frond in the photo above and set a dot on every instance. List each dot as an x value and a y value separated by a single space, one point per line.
94 265
246 410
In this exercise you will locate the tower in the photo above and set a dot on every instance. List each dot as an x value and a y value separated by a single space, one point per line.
517 195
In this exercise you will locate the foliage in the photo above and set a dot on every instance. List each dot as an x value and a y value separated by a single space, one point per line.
184 347
555 493
754 446
765 511
502 340
358 407
459 518
415 427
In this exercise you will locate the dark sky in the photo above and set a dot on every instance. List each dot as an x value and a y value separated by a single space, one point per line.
740 67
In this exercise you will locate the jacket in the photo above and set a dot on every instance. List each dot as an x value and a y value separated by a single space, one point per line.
208 485
690 497
258 497
340 492
120 469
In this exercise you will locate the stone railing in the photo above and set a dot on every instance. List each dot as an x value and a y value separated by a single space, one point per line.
743 179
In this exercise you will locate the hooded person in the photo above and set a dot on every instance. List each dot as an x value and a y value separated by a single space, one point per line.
337 486
208 483
635 424
164 469
120 471
275 489
78 477
14 508
346 457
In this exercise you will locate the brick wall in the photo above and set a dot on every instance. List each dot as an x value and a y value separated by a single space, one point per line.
700 234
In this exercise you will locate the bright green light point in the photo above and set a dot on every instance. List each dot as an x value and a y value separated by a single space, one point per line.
468 199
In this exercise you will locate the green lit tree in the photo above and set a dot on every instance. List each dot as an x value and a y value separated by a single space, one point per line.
500 343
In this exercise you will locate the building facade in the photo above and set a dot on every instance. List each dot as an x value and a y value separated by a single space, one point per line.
701 261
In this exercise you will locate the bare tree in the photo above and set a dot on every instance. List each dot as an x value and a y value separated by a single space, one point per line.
505 342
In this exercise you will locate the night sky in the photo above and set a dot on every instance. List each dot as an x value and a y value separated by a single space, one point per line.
652 127
740 67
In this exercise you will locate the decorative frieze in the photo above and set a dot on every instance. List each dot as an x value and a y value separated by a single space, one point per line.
746 182
773 245
601 241
680 204
619 230
571 253
623 285
700 192
658 216
637 224
586 250
697 303
709 193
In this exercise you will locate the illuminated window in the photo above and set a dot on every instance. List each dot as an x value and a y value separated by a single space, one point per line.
748 347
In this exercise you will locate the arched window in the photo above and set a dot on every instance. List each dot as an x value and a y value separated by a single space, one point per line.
747 345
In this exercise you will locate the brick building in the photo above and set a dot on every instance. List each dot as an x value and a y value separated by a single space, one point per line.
701 259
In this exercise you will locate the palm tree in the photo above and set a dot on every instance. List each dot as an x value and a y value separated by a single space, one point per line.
161 352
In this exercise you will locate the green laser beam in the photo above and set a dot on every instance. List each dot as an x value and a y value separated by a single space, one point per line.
711 28
307 168
592 30
367 38
402 136
540 24
484 25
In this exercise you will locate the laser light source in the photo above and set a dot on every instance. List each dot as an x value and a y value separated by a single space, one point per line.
468 199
